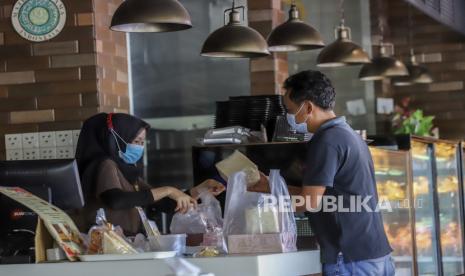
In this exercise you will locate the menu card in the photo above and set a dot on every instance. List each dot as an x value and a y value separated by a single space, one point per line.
59 225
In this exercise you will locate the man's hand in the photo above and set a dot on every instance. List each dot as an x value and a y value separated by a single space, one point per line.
262 186
212 186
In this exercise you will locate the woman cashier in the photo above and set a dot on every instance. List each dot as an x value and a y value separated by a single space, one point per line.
109 152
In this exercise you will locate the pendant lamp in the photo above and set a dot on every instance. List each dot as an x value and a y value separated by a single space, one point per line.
384 66
343 51
294 35
150 16
418 74
234 39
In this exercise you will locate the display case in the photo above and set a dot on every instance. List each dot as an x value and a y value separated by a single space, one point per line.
424 212
448 192
437 188
394 187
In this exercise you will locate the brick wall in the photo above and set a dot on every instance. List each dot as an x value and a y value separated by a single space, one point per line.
57 84
444 51
267 74
111 60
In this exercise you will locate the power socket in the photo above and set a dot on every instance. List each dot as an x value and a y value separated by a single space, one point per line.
14 154
31 154
47 139
65 153
30 140
13 141
48 153
76 134
64 138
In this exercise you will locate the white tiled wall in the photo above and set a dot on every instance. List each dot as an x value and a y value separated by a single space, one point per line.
41 145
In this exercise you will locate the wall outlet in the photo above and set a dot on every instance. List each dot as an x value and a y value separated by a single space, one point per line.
64 138
47 139
76 136
14 154
30 140
31 154
65 153
48 153
13 141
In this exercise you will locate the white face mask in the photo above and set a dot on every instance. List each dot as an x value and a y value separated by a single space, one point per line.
298 127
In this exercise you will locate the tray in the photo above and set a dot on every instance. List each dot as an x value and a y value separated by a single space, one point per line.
126 257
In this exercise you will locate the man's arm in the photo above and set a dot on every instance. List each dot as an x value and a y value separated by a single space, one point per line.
300 195
307 197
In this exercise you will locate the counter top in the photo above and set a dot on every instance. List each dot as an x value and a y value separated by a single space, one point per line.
283 264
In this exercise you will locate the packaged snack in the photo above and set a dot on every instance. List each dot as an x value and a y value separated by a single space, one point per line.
151 229
104 239
114 244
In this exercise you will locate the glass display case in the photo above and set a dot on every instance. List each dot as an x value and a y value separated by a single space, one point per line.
437 169
449 207
425 221
393 184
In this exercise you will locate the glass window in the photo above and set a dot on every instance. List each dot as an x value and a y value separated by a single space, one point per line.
171 79
324 16
175 89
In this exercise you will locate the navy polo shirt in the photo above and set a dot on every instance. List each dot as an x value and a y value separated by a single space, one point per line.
340 160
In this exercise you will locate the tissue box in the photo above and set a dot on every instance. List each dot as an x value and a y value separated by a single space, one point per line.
260 243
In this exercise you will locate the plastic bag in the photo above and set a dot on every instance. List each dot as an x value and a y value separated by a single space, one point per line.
206 219
257 213
288 226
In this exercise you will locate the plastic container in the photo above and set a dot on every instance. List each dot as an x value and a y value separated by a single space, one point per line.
174 242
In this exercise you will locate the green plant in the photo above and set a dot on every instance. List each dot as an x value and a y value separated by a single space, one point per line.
415 123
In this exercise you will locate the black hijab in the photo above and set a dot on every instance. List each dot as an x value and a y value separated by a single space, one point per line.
96 143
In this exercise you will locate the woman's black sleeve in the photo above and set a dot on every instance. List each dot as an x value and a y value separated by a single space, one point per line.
165 205
118 199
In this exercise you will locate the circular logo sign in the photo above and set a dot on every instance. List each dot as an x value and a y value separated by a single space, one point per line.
38 20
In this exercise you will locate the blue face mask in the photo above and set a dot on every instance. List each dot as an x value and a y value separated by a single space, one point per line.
133 152
299 128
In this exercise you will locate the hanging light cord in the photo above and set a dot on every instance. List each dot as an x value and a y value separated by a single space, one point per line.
342 12
381 20
410 28
232 9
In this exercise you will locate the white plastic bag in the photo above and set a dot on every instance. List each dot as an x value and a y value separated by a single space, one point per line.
205 219
257 213
288 226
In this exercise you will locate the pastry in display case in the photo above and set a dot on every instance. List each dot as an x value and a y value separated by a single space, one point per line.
449 204
392 180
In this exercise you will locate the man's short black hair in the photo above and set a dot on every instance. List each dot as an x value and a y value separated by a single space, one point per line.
311 86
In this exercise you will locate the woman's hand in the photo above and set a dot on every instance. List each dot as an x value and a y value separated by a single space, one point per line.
184 201
212 186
